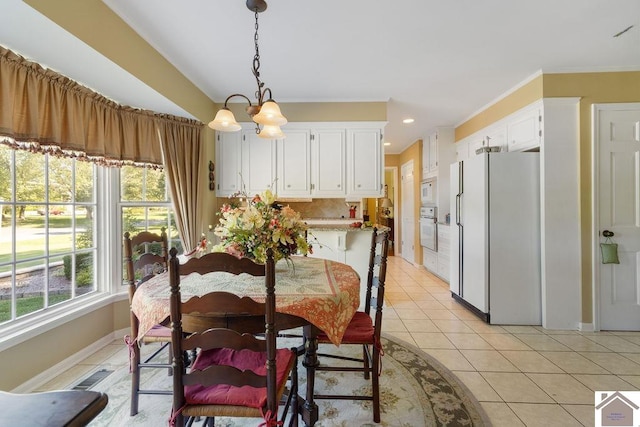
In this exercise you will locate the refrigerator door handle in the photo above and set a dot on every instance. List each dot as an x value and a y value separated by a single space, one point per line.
458 207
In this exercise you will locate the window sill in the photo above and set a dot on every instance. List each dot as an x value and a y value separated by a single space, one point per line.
26 329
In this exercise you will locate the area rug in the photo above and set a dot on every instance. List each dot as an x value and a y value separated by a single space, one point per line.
416 390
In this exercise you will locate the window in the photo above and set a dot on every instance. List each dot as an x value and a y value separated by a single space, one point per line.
145 204
48 248
56 231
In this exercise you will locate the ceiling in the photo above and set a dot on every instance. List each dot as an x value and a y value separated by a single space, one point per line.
438 62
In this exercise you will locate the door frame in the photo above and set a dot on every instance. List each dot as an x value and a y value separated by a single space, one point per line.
394 171
595 202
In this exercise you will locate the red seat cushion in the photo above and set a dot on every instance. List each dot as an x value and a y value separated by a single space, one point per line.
359 331
224 394
159 331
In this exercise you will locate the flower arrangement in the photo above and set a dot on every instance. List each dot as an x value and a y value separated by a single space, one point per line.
248 231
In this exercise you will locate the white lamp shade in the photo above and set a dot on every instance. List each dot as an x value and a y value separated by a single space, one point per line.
270 115
271 132
225 121
386 203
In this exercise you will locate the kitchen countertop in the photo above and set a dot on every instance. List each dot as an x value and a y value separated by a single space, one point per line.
332 221
341 227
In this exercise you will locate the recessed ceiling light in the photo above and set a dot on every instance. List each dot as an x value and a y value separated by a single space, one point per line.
407 121
387 144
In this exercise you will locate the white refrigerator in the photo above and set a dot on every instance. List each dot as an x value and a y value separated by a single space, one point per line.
495 237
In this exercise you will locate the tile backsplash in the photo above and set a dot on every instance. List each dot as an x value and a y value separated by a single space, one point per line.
324 208
319 208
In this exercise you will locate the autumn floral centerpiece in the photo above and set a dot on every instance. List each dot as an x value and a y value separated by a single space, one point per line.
249 230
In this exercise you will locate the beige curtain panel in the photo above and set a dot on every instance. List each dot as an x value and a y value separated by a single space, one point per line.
183 149
42 110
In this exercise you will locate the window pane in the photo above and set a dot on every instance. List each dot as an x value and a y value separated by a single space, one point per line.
131 183
84 228
60 179
30 285
6 238
85 273
59 283
31 232
156 189
6 177
6 280
85 176
60 234
174 236
29 177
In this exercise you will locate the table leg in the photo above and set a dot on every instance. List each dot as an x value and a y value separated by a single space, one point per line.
310 361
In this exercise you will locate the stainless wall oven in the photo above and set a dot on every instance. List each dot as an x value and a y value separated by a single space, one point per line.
429 227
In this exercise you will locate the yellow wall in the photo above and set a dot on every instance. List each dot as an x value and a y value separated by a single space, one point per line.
413 152
33 356
519 98
322 111
592 88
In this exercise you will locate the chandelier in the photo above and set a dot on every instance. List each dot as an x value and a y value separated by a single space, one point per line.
266 113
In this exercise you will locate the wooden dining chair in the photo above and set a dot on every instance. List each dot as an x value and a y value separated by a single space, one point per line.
364 329
238 372
145 255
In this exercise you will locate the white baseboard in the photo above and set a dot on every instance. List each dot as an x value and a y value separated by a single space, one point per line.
586 327
46 376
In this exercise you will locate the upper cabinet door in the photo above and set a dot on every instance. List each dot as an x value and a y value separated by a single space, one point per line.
524 130
364 163
328 153
258 163
294 164
228 162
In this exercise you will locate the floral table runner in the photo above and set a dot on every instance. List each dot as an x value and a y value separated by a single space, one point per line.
325 293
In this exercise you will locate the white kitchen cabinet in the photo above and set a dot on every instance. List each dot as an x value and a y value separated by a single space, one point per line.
294 164
365 163
328 149
497 137
258 163
228 163
430 259
312 161
462 150
524 129
430 156
444 247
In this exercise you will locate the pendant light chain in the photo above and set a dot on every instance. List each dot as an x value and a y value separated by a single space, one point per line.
256 63
266 113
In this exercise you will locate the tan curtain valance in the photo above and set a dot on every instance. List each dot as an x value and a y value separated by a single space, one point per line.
41 110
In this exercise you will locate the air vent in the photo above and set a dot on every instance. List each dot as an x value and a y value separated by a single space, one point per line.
92 379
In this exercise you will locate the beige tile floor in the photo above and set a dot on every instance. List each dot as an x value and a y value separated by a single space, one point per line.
521 375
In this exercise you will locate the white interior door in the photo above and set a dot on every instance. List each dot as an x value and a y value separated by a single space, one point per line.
618 149
408 216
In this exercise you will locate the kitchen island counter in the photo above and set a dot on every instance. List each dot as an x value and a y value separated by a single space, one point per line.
345 244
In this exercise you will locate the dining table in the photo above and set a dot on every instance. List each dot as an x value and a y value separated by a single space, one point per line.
313 293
